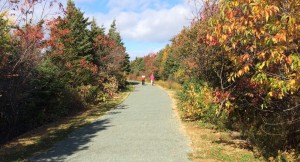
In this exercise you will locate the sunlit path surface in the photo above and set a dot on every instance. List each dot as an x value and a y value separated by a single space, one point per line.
143 128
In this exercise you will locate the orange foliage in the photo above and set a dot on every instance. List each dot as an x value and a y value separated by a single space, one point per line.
149 62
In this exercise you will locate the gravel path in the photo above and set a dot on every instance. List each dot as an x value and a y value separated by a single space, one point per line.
143 128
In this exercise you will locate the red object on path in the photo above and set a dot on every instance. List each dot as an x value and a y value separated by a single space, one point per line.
143 79
152 79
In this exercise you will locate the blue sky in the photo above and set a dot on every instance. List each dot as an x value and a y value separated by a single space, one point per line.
145 25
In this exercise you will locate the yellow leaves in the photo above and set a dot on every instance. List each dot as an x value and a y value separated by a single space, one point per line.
275 94
267 16
244 58
223 38
262 65
261 55
235 3
270 94
231 27
209 37
270 11
279 37
292 82
262 45
255 8
292 21
234 45
251 24
244 70
275 8
228 104
252 48
219 29
231 78
289 60
240 73
278 54
262 11
298 27
164 60
282 37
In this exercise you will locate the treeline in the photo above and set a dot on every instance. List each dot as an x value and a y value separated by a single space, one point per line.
52 68
239 63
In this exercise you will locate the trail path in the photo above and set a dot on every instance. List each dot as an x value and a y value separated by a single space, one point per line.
144 128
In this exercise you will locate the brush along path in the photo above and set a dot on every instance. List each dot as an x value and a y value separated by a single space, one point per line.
142 128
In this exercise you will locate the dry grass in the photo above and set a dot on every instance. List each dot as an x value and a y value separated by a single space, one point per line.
169 85
45 137
210 145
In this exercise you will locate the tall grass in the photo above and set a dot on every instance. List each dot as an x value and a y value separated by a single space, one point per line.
172 85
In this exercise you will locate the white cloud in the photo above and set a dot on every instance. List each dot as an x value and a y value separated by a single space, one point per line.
151 24
159 25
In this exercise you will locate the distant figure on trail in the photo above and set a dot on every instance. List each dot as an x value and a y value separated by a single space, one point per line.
143 79
152 78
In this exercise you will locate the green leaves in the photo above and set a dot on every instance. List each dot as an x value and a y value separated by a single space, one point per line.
5 44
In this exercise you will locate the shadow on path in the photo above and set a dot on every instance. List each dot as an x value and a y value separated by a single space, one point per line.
79 139
75 142
117 110
133 83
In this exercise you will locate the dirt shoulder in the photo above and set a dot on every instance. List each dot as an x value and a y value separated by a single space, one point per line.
210 145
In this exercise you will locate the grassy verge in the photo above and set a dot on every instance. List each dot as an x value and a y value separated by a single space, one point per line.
171 85
210 144
45 137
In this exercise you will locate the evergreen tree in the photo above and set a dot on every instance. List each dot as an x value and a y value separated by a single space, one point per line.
4 40
114 34
126 65
71 48
79 44
137 66
95 33
116 37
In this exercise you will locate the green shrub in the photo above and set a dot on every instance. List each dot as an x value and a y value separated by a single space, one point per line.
196 102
